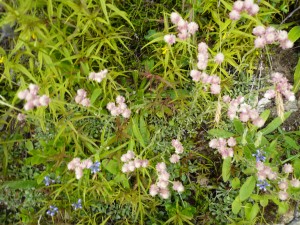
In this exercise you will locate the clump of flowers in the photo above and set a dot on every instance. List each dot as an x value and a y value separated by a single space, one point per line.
77 205
52 210
81 98
184 28
78 166
32 98
120 108
247 6
214 81
178 150
161 186
223 146
246 112
131 162
98 77
202 56
264 172
269 35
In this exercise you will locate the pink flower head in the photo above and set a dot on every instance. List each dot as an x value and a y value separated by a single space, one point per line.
120 99
259 122
219 58
170 39
272 176
234 15
33 89
253 10
21 117
153 191
162 184
78 173
183 35
130 155
22 94
28 106
215 89
270 37
144 163
238 6
85 164
259 30
283 195
286 44
174 158
270 94
164 193
182 25
160 167
44 100
259 42
287 168
85 102
214 143
244 117
137 163
177 186
125 168
283 185
248 4
192 27
131 166
231 142
126 113
81 92
226 98
164 175
202 47
196 75
282 35
110 106
175 18
295 183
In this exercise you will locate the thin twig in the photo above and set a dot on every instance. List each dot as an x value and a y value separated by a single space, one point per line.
295 10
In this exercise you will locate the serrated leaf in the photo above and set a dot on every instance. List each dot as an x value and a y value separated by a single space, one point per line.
247 188
275 124
236 205
220 133
226 169
294 34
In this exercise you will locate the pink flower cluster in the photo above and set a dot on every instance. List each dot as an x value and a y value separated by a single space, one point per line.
223 146
81 98
270 35
161 186
132 163
202 56
178 150
264 171
98 77
214 81
282 86
32 98
246 112
184 28
239 6
120 109
78 165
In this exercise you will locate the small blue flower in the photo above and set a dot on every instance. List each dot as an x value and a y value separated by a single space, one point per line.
52 211
95 167
262 185
77 205
48 181
259 156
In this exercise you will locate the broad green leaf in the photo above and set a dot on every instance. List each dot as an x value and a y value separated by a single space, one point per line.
296 165
235 183
247 209
294 34
247 188
95 95
275 124
220 133
137 133
264 201
226 169
254 211
297 77
111 165
291 142
238 125
236 205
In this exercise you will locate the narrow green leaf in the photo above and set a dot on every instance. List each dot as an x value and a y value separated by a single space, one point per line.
220 133
96 93
296 165
291 142
19 184
103 7
226 169
275 124
247 188
137 133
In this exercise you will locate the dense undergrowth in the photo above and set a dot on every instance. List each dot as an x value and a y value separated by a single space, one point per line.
148 112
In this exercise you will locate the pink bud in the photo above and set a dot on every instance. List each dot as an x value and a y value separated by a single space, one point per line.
177 186
283 195
219 58
270 94
287 168
33 89
110 106
174 158
164 176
